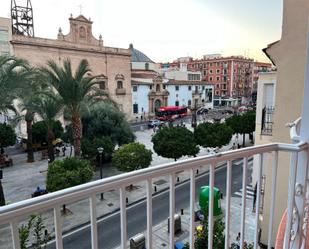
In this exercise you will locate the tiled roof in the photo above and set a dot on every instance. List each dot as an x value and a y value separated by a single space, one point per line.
138 56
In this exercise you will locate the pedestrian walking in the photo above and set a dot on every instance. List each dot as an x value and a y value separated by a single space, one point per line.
63 150
238 241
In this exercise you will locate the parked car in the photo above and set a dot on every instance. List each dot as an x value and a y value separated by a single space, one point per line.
228 111
154 122
242 109
202 110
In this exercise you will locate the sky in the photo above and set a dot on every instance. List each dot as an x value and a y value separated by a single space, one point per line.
167 29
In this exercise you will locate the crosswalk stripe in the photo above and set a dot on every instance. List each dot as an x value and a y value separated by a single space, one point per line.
249 192
240 195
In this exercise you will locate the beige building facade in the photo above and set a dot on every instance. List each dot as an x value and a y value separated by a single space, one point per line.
5 36
289 56
111 65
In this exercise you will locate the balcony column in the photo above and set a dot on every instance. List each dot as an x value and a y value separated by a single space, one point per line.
299 201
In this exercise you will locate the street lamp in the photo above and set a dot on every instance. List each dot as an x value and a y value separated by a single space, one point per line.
100 151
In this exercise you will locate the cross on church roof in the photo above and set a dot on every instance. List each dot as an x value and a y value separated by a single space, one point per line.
80 8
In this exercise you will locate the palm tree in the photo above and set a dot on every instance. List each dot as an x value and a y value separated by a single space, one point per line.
32 87
76 90
13 73
48 106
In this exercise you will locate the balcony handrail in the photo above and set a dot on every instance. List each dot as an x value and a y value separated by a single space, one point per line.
21 209
295 137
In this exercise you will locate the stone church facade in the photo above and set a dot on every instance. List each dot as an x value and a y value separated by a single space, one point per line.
112 65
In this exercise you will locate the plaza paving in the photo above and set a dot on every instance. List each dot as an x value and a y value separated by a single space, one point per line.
23 178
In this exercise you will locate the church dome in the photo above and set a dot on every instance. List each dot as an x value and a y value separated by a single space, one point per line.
138 56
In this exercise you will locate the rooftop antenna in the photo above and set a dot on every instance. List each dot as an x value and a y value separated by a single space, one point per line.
22 19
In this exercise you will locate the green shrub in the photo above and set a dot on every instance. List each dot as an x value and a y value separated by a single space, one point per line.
90 147
67 173
131 157
7 135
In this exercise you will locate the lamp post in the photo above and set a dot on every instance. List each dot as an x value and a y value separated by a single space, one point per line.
100 151
2 199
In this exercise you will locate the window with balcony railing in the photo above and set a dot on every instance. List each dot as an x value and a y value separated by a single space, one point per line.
267 120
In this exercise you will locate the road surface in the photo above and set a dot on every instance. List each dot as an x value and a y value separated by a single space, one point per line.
109 226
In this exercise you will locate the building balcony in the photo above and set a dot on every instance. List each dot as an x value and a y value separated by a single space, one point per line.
267 120
120 91
90 234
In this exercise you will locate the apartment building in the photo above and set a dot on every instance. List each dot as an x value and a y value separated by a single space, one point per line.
285 91
234 77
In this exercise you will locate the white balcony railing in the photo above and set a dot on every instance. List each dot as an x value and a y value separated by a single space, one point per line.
14 213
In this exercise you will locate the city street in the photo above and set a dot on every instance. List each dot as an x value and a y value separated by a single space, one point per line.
17 188
109 226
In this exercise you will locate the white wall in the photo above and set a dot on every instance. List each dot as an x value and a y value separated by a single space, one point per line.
176 75
184 94
141 98
141 65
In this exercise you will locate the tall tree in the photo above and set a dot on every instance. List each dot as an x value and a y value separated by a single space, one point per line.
212 134
39 130
174 142
104 119
13 72
15 75
32 87
48 107
242 124
76 89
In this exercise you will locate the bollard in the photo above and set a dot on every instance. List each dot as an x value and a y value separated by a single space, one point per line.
177 178
181 210
197 171
127 200
138 241
155 188
177 223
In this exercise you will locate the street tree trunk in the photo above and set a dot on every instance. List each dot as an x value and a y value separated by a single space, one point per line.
2 199
50 147
77 134
243 140
29 119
